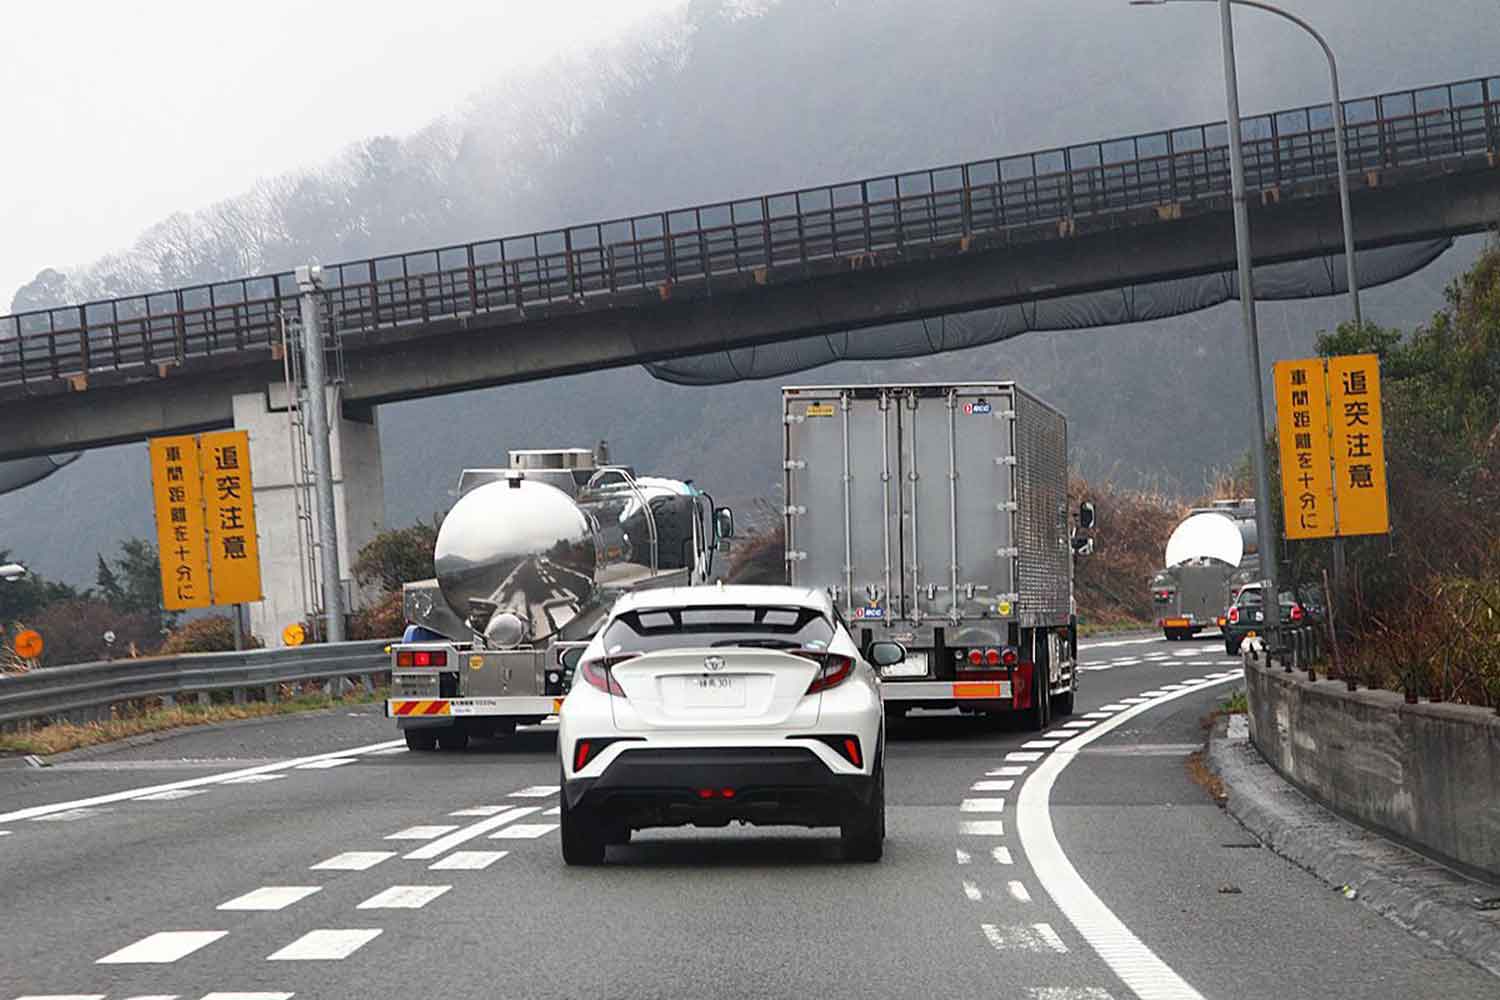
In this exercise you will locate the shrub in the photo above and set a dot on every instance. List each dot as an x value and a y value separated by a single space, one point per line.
395 557
384 619
73 631
213 634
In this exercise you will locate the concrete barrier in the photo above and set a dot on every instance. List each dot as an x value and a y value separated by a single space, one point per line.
1427 774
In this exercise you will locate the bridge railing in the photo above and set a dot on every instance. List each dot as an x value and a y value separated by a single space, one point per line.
697 244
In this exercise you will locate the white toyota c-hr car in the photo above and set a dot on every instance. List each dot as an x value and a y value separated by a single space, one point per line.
707 705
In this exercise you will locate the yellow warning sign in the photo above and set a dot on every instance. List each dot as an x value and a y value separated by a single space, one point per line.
293 635
29 644
1306 470
177 488
234 554
1358 444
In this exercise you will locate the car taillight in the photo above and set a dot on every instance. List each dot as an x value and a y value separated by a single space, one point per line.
1296 612
422 658
1234 616
589 748
597 673
835 670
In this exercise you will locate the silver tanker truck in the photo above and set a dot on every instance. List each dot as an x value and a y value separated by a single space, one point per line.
528 561
1210 553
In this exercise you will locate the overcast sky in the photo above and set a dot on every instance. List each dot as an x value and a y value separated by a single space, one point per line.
116 114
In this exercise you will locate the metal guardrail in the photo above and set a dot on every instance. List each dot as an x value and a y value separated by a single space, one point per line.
870 216
1303 646
86 692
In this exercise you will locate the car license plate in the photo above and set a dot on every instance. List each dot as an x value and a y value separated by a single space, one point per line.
915 665
714 691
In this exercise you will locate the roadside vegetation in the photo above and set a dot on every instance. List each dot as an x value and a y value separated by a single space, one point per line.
1421 613
155 718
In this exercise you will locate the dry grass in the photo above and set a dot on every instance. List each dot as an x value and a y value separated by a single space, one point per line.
64 736
1203 776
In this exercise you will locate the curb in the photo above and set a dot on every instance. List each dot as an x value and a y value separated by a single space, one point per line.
1412 891
161 735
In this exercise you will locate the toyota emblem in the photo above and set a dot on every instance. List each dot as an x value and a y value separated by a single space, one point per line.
713 663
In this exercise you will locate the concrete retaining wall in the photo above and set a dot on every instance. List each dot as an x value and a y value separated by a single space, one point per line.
1428 774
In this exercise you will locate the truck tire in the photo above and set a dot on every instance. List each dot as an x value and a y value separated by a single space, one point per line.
453 737
582 841
862 836
420 739
1062 704
1035 717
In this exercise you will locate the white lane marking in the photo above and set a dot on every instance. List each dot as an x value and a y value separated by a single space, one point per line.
1017 890
162 947
1185 653
982 805
1001 855
1136 964
1036 937
34 812
1120 642
323 765
392 751
962 856
421 832
554 811
1111 708
1005 772
171 795
1040 744
253 779
66 815
972 891
1079 724
62 996
467 861
403 897
982 827
1135 701
5 833
248 996
992 786
270 897
325 945
1102 714
462 836
523 831
1023 756
1127 663
1152 694
535 792
353 861
1068 993
480 811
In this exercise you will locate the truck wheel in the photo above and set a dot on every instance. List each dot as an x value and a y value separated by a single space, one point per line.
862 836
453 738
1062 704
1035 717
582 843
420 739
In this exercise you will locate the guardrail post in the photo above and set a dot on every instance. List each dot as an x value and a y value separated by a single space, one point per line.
240 696
272 693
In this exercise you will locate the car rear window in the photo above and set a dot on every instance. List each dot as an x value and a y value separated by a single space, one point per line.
776 627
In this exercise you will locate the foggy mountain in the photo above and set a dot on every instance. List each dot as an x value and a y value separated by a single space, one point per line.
728 99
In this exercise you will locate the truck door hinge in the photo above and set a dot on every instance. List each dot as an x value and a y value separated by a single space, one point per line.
1005 414
1006 460
792 418
1009 553
794 465
1007 506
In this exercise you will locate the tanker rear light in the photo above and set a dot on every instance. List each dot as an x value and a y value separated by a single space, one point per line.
1005 656
422 658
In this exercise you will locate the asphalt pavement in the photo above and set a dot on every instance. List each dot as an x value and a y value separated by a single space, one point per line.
314 856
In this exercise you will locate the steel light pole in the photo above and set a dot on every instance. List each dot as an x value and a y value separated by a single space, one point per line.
1340 149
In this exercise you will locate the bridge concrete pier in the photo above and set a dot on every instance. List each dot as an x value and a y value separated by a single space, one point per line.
359 501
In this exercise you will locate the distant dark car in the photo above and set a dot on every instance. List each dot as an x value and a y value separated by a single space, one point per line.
1246 616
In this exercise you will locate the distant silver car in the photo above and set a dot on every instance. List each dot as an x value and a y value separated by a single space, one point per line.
709 705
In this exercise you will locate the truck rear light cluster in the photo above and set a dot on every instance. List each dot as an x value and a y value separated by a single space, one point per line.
422 658
977 659
1163 595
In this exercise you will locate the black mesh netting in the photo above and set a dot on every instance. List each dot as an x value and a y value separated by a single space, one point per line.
1303 279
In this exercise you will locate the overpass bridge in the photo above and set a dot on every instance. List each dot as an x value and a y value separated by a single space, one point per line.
1424 163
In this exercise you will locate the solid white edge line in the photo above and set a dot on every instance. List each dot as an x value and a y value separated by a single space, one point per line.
1130 959
32 812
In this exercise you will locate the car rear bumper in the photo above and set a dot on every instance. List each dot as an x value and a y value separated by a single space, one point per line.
770 785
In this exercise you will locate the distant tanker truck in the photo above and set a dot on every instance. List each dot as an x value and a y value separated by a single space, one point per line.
528 561
1211 551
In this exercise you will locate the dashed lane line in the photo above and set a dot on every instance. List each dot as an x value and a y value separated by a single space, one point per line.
467 861
421 832
982 827
972 891
327 945
1009 771
535 792
1024 756
523 831
404 897
353 861
962 856
1033 937
38 812
1017 890
1130 959
162 947
271 897
1001 855
992 786
465 834
982 806
1068 993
